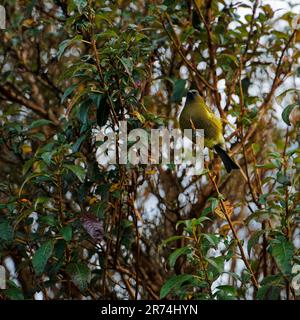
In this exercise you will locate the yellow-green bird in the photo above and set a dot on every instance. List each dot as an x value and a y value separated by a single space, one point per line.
197 115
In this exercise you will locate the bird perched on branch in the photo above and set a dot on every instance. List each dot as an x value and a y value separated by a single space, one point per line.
197 115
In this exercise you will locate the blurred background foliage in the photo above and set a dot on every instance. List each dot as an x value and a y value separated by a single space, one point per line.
71 228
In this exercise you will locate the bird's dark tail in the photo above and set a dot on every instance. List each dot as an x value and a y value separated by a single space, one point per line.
228 162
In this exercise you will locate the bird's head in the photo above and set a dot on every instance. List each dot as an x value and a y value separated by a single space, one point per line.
193 95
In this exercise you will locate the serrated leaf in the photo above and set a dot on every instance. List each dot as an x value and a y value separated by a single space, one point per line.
80 275
41 257
77 170
174 282
282 250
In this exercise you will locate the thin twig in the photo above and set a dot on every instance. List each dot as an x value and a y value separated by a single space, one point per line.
227 216
178 46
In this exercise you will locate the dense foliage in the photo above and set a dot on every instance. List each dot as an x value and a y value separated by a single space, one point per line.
72 228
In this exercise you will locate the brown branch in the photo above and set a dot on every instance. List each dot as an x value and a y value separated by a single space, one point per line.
14 95
122 269
212 54
175 40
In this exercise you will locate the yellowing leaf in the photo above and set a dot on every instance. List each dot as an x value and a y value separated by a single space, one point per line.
138 116
224 230
37 167
81 88
26 149
228 207
24 200
114 187
150 172
93 200
29 23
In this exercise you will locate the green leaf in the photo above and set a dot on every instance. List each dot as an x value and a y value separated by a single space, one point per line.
67 232
80 275
254 240
49 220
171 239
128 65
76 146
175 282
228 290
212 239
213 204
32 176
99 209
225 58
41 201
282 179
282 250
102 111
83 111
80 4
14 293
271 287
38 136
6 231
77 170
64 44
68 92
39 123
27 165
177 253
217 263
268 293
286 113
271 165
47 157
179 90
41 257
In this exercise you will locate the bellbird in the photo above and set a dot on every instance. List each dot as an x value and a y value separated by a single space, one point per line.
197 115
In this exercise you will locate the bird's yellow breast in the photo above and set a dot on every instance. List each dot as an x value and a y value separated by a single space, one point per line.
202 118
